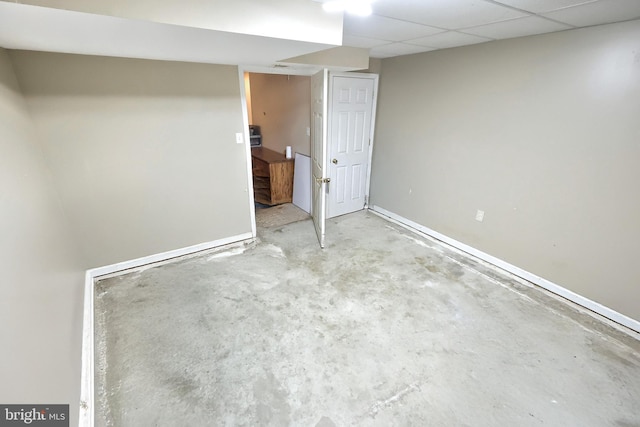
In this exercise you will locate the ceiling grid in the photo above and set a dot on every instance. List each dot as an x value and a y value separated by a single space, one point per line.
400 27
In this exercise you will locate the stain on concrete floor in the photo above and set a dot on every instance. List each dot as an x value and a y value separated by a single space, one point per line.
380 328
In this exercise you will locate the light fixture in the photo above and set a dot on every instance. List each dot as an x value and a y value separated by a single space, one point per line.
352 7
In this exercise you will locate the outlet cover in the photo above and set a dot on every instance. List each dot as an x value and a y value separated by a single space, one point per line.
239 138
479 215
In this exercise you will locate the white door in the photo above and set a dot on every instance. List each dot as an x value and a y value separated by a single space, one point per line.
350 124
319 181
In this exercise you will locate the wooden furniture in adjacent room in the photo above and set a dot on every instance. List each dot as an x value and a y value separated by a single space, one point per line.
272 176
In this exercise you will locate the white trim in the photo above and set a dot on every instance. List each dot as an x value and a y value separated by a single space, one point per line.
247 144
138 262
87 390
530 277
86 415
371 136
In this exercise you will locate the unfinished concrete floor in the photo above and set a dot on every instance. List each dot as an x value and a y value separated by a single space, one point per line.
381 328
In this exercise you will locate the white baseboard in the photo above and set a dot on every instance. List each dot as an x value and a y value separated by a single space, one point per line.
87 407
530 277
139 262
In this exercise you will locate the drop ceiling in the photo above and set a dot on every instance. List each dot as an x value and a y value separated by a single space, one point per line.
401 27
49 29
396 27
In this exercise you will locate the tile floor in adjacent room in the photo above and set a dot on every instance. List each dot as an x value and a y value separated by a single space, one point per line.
381 328
275 216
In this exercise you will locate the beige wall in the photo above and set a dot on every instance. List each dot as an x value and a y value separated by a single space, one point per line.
281 107
375 66
543 134
41 303
143 153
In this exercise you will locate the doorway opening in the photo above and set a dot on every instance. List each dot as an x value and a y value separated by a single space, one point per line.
278 108
279 117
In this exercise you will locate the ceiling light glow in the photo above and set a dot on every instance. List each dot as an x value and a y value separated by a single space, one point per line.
352 7
332 6
358 7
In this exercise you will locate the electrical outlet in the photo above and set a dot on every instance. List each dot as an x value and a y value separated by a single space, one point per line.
239 138
479 215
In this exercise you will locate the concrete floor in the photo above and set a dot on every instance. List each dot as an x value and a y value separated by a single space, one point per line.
381 328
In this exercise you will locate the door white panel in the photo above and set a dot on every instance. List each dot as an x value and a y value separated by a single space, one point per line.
362 96
344 96
341 184
350 122
342 133
361 132
356 182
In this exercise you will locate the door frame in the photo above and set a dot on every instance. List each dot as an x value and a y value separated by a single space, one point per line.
319 148
242 69
375 77
308 72
247 148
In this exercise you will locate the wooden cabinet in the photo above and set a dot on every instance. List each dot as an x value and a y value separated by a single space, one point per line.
272 176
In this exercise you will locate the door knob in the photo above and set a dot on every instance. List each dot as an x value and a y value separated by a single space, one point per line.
334 161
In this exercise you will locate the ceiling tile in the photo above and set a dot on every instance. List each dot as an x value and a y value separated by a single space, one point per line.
599 12
382 28
517 28
448 39
397 49
538 6
363 42
446 14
